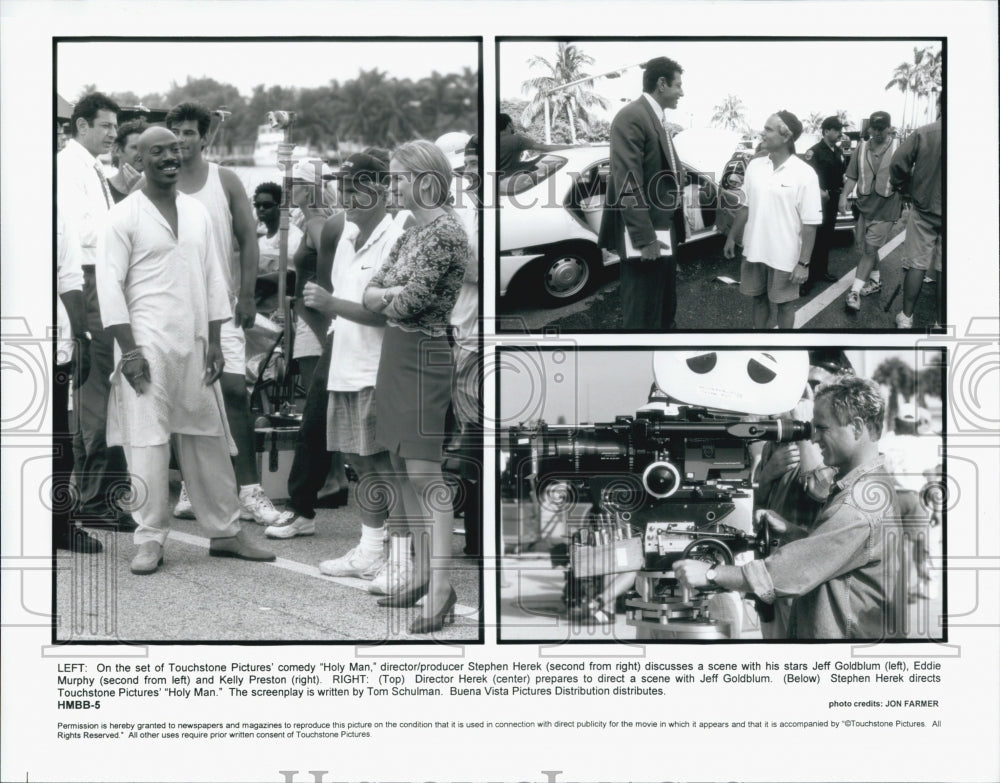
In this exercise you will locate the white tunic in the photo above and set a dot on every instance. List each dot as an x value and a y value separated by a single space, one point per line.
168 289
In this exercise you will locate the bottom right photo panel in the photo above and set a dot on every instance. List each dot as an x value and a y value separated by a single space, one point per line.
720 495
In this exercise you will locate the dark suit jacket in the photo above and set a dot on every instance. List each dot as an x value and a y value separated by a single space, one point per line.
644 194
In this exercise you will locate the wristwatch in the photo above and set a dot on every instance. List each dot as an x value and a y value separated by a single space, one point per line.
710 576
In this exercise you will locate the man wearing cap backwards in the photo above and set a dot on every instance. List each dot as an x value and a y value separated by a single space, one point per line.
221 193
827 158
880 206
349 416
164 299
644 200
783 212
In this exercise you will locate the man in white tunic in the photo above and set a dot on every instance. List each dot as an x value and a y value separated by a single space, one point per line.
164 299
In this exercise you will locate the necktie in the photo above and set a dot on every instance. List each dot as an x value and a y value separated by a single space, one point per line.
104 183
672 154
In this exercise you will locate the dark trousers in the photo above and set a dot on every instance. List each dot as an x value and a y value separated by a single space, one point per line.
62 456
820 261
101 472
649 294
312 461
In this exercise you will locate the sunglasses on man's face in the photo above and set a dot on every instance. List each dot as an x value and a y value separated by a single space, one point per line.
264 204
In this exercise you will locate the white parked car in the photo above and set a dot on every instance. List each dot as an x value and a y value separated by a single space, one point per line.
551 214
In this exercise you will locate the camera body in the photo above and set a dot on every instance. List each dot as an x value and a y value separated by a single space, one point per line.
675 480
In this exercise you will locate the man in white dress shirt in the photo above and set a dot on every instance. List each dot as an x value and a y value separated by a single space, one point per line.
83 199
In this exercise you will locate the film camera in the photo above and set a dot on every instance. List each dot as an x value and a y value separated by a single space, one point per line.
672 482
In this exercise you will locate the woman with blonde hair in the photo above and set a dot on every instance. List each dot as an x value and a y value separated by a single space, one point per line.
416 290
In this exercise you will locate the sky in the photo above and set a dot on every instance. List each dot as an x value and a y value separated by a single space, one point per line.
145 67
596 386
800 76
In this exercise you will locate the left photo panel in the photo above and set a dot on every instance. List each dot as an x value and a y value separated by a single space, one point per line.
267 395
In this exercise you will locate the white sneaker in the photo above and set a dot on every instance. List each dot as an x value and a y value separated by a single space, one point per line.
392 578
290 525
902 322
183 509
257 507
871 287
354 563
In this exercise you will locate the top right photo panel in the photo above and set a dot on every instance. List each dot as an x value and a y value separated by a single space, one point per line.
659 185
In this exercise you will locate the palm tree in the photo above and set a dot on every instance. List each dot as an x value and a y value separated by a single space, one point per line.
731 114
814 122
844 119
574 100
903 80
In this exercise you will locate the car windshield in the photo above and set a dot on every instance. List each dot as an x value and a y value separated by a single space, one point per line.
530 173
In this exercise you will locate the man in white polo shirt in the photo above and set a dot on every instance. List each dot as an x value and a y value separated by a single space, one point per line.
368 236
782 215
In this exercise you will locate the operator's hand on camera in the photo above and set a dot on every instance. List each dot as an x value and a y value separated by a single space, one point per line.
784 459
691 573
778 524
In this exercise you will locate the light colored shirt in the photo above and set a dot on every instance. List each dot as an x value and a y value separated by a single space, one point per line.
357 347
69 277
839 574
270 248
82 200
465 313
213 197
781 200
168 288
657 109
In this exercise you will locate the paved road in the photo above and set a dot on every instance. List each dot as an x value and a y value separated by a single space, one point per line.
705 303
197 598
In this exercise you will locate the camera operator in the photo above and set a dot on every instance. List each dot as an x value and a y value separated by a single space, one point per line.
835 572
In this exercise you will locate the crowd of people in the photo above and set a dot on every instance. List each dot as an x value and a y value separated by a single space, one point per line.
159 270
784 228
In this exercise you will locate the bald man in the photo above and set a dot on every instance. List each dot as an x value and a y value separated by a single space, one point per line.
163 299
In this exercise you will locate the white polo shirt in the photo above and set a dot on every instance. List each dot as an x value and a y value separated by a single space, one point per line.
356 347
781 201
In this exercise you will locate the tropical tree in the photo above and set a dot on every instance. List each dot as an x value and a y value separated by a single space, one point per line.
918 79
731 114
814 122
575 100
845 120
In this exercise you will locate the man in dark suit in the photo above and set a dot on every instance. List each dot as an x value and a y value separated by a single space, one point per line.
644 197
827 158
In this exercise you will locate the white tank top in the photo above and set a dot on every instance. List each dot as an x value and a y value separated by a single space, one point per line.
213 197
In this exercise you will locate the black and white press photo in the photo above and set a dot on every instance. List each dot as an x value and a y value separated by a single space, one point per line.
653 185
259 245
720 494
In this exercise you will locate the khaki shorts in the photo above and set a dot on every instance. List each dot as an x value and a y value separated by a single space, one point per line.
870 236
757 278
234 348
922 246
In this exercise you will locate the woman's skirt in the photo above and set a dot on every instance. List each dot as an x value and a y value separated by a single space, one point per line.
412 393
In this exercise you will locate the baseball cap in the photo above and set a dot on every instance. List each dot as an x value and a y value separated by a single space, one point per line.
880 120
361 166
305 171
832 122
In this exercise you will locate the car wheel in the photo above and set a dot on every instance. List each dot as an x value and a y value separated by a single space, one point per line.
566 274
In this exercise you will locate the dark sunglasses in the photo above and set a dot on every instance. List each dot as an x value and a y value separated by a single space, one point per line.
264 204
